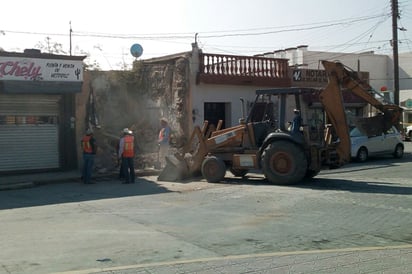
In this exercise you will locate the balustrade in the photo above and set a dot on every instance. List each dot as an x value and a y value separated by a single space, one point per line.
228 69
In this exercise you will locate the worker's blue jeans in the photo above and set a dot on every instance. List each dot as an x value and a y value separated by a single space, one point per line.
88 162
128 169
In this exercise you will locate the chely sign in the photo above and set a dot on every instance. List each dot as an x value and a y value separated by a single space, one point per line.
36 69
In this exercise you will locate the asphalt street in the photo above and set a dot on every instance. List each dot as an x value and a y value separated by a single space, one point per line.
355 219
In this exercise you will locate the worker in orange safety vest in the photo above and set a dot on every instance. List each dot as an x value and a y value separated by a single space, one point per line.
126 153
89 151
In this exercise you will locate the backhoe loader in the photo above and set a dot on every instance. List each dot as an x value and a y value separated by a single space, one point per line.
263 142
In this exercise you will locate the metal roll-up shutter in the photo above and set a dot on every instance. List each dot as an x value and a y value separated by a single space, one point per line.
29 132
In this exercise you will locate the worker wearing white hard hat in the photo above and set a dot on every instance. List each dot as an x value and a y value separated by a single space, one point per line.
126 154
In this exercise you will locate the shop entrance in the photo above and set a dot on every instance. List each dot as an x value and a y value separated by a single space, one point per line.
29 132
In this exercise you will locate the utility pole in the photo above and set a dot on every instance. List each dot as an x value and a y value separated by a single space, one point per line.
70 37
395 16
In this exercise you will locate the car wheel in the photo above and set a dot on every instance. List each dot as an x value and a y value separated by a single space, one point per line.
362 155
398 153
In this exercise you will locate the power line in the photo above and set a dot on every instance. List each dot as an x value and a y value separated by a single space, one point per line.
179 38
289 30
212 34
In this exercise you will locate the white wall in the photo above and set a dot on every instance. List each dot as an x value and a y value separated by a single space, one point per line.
221 94
405 70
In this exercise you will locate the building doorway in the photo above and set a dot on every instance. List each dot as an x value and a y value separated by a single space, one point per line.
215 112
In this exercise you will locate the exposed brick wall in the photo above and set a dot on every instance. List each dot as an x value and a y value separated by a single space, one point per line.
137 99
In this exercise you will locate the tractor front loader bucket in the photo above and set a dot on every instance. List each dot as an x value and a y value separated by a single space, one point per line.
174 170
187 163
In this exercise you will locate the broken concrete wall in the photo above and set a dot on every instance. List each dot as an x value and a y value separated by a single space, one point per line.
136 99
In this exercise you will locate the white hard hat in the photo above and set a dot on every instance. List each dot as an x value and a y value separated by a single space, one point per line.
89 131
127 131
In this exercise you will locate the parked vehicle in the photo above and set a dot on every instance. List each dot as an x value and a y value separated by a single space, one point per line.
408 133
387 143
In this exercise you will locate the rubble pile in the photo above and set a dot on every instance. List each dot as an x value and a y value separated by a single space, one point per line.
135 99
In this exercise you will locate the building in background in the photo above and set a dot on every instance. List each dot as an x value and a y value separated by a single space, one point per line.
37 111
405 85
47 101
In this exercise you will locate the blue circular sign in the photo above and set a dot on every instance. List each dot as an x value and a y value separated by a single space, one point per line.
136 50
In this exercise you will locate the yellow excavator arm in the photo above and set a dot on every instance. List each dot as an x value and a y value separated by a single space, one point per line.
350 80
331 98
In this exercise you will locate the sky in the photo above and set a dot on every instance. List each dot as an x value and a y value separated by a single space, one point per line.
104 31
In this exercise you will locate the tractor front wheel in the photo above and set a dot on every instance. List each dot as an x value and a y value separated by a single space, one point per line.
238 172
213 169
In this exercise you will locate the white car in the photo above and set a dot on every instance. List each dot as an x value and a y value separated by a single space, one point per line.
408 133
388 143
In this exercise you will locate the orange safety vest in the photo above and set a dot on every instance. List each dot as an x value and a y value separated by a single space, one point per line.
87 147
162 135
128 150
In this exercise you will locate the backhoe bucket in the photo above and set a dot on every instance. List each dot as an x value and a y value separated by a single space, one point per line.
372 126
174 170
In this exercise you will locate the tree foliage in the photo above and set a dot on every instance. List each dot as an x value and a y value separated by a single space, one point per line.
50 46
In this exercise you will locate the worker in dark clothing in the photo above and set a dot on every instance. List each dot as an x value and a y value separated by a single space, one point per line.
297 122
89 151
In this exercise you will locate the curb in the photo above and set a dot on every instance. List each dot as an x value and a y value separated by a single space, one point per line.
25 183
14 186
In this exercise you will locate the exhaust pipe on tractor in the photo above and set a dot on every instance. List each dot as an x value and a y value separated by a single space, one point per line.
242 119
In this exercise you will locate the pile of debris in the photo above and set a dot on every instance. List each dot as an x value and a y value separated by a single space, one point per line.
147 156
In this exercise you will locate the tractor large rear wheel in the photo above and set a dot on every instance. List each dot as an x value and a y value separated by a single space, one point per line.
284 163
213 169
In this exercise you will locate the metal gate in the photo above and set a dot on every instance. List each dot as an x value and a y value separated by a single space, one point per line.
29 132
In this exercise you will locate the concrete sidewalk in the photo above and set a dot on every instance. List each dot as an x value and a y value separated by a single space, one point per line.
17 181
